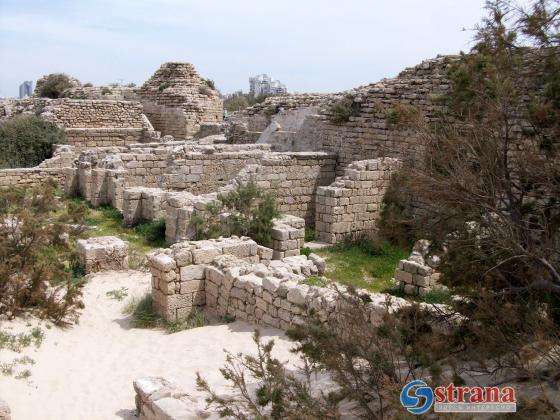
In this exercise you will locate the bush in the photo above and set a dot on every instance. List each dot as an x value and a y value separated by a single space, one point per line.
88 84
153 231
37 259
341 111
26 140
210 83
53 86
240 100
250 213
106 91
144 316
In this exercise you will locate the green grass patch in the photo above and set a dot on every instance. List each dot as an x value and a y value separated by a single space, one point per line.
144 316
363 264
316 281
437 296
143 238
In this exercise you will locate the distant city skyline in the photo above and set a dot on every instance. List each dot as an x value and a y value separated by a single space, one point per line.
26 89
263 84
311 46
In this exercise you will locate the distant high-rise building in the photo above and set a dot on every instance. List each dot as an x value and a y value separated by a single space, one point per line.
263 84
26 89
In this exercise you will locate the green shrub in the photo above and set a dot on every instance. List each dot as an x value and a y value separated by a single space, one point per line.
309 234
251 212
153 231
88 84
401 114
36 252
106 91
53 86
26 141
341 111
144 316
210 83
305 251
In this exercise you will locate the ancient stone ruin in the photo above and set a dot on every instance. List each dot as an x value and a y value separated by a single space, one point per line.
163 151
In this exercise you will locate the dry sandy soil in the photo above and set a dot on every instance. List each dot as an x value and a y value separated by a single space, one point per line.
86 371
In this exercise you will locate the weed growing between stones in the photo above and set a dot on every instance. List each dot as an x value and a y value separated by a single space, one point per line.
117 294
143 315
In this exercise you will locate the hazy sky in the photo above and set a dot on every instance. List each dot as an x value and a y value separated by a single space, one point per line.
311 45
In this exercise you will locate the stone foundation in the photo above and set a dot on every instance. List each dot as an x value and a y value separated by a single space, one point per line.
103 253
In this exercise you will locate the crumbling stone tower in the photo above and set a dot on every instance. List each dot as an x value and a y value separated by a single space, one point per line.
177 100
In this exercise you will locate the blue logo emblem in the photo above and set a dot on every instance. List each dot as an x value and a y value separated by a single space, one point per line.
419 400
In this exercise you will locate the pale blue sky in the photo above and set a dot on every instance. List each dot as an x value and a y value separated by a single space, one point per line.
311 45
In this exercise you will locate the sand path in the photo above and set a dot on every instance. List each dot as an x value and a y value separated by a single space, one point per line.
86 372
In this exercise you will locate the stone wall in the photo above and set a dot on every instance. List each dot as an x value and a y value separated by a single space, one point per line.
379 128
351 205
55 168
177 100
235 277
87 138
78 113
176 166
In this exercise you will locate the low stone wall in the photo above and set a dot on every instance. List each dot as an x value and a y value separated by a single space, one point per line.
351 205
30 177
235 277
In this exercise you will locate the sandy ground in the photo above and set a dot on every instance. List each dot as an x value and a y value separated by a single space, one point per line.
86 371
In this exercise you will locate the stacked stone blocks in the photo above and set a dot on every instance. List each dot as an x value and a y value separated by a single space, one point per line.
103 253
352 204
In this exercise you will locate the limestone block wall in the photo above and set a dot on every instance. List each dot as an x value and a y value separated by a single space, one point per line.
178 273
83 113
175 166
293 178
350 206
55 168
30 177
177 100
86 138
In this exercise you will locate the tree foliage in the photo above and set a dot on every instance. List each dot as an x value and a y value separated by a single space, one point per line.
54 85
38 266
27 140
246 211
